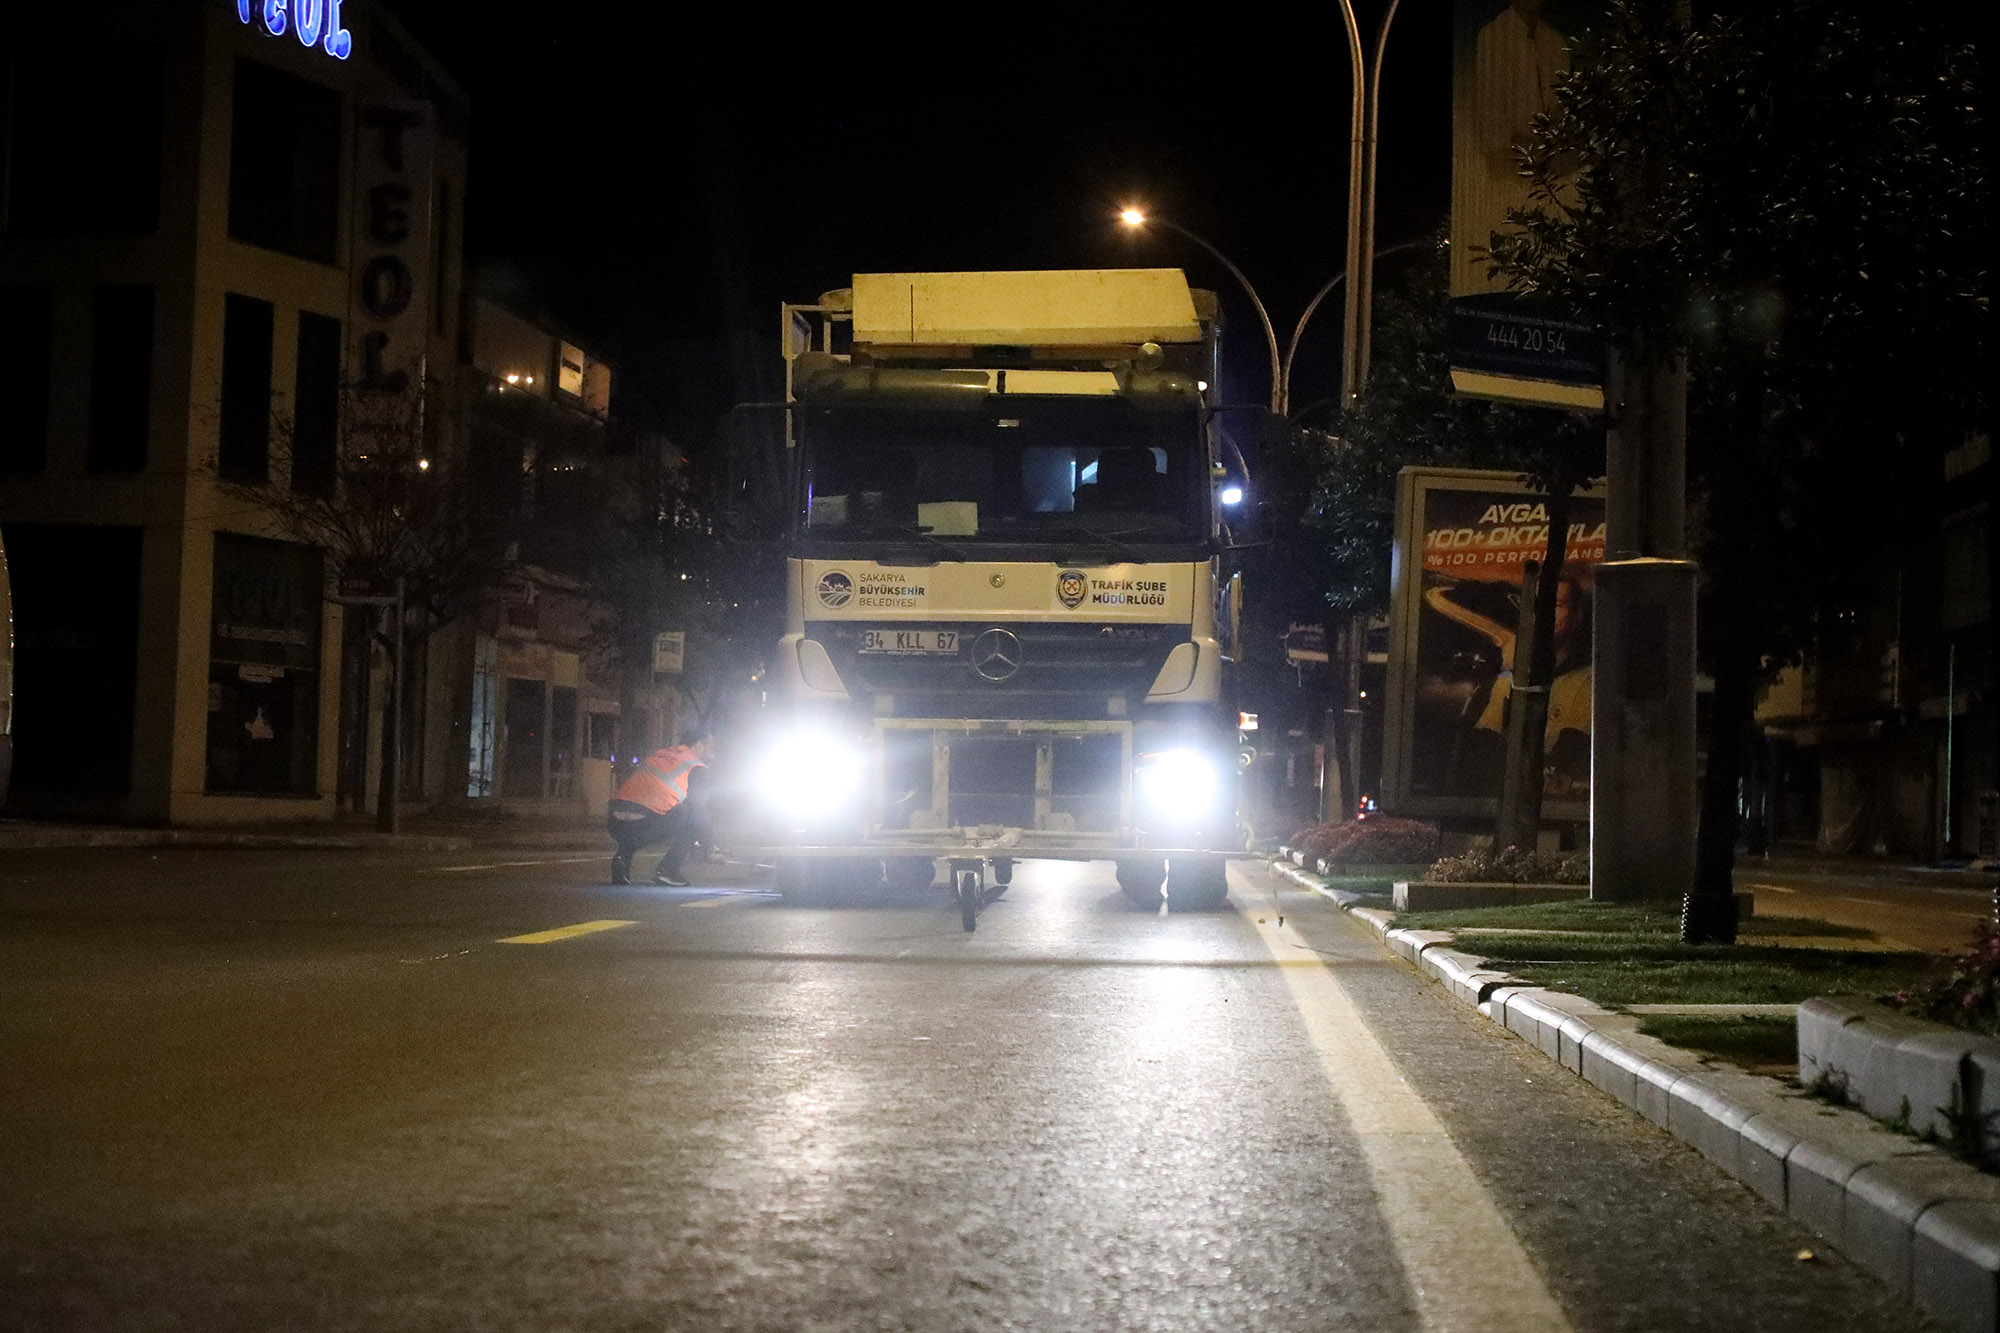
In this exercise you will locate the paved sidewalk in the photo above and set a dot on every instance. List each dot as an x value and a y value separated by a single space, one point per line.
1922 1221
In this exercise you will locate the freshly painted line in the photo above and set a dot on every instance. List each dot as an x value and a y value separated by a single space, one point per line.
566 932
509 865
1465 1267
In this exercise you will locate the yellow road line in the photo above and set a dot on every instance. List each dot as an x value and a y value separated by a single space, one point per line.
1465 1267
566 932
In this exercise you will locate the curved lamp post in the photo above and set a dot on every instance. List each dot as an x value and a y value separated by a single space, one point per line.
1299 331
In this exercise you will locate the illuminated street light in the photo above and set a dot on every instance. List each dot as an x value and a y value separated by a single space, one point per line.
1135 219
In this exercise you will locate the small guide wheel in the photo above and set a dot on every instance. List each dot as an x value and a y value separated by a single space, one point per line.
969 893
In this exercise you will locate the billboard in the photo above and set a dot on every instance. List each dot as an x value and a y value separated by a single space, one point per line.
1462 542
1507 56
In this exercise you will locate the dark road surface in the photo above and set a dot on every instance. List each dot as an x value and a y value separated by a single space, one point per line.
301 1090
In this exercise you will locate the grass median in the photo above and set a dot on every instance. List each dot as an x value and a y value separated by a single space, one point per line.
1625 954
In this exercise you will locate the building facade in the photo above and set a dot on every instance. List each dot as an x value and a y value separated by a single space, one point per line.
555 689
221 225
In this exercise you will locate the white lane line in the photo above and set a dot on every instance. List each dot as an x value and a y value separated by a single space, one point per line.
1867 902
1771 888
509 865
1465 1266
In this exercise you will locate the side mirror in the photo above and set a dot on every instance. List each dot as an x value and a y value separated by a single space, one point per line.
1251 525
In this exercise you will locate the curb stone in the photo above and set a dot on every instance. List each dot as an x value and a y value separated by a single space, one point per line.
1918 1219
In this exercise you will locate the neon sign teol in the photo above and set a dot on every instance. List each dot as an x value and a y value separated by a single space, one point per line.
313 22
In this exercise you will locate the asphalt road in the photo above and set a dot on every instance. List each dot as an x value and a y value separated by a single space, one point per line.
1908 906
301 1090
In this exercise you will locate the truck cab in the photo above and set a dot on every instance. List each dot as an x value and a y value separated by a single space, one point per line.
1009 603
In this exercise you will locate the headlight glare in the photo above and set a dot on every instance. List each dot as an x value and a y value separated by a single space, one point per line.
1179 784
811 773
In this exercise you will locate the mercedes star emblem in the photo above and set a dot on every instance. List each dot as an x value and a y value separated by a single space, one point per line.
996 655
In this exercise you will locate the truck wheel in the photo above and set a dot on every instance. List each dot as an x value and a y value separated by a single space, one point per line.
1003 870
909 872
1140 877
1197 883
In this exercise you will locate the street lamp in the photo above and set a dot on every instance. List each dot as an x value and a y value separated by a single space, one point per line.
1364 117
1136 219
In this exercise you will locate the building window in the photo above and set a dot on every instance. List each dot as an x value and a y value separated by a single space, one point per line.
524 751
244 453
485 716
284 163
26 329
121 378
263 674
84 149
76 657
316 404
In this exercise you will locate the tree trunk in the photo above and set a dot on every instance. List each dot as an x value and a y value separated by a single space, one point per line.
1734 661
1708 913
1534 672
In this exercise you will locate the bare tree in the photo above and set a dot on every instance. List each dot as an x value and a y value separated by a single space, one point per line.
395 506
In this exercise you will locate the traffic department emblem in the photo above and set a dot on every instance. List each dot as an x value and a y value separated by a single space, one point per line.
835 590
1070 588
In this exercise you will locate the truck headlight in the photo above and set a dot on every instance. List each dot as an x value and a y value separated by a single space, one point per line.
1179 784
811 773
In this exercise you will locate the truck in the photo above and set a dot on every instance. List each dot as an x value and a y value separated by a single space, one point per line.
1004 501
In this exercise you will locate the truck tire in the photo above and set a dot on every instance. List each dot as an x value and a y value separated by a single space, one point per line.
1140 877
1197 883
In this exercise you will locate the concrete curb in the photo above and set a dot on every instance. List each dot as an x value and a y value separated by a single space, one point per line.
1920 1220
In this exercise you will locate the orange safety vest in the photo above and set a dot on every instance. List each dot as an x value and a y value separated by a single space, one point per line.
661 781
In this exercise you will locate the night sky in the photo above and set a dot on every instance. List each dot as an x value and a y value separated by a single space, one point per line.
658 194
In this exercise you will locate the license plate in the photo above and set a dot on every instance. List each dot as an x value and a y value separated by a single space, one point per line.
915 641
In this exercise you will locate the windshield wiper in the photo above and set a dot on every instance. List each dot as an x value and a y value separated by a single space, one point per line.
913 530
1115 540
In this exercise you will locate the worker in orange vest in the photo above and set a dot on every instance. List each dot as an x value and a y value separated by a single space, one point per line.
665 800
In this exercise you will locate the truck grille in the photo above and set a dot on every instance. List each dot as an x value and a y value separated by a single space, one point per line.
1080 661
1038 778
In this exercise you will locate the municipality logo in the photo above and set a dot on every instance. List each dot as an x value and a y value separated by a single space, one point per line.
835 590
1070 587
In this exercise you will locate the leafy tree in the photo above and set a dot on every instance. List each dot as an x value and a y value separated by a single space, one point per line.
658 563
1408 415
1791 197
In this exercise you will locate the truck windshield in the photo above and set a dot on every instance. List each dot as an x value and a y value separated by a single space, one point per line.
1018 469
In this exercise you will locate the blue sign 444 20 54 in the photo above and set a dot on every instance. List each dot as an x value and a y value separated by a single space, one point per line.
1513 337
313 22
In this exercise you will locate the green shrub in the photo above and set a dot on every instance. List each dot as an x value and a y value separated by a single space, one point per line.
1965 989
1512 865
1377 840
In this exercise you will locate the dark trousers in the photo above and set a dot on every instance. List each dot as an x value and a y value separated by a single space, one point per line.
677 828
